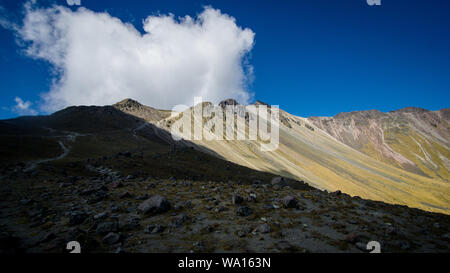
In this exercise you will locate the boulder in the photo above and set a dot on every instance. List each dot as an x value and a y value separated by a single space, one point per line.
154 205
277 180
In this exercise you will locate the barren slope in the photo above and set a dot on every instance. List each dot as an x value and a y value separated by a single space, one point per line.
413 139
310 154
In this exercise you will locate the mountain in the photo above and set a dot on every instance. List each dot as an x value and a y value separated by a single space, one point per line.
308 153
147 113
113 175
413 139
399 157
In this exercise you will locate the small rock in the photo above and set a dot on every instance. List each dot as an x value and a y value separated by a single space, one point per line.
361 246
125 154
244 231
390 230
97 196
209 228
132 223
120 250
46 238
117 184
286 246
154 205
244 211
264 228
404 245
77 218
352 238
219 209
180 219
100 216
153 229
26 202
290 202
111 238
115 208
125 195
237 199
130 177
187 204
178 207
142 197
106 227
276 180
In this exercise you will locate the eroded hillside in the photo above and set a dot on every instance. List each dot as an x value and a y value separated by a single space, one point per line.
413 139
310 154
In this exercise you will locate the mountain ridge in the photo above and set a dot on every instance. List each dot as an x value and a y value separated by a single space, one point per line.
411 138
307 152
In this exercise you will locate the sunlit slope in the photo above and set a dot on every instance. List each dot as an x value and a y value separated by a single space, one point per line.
429 155
414 139
308 153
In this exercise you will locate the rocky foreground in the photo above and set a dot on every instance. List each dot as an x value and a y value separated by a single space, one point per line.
109 204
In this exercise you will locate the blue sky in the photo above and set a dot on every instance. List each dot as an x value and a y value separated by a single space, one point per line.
312 57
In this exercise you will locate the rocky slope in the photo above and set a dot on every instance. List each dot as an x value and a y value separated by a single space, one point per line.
413 139
306 152
147 113
127 202
310 154
115 182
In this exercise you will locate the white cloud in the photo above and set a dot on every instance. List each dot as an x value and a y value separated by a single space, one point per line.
5 20
99 59
23 107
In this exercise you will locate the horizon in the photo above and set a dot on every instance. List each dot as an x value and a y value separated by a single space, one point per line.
125 99
312 59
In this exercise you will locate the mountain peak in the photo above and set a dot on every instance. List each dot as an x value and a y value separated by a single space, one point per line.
227 102
139 110
258 102
128 103
366 114
411 110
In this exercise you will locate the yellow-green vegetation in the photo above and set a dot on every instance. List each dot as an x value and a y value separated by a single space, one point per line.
325 163
427 154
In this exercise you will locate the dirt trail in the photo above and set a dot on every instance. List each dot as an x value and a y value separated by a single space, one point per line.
33 164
